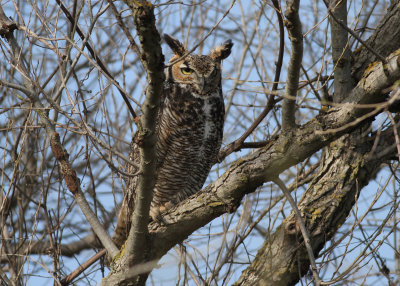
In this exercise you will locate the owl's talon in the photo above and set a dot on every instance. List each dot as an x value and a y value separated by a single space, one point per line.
160 220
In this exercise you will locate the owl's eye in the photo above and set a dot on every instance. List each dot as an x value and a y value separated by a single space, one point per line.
186 71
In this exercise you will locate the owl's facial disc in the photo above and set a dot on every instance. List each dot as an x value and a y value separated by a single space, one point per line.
202 80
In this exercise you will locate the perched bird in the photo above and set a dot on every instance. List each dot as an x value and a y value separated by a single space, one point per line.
189 131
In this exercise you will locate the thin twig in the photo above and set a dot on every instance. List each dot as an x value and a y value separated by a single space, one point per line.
395 133
73 185
125 30
96 58
69 174
239 143
304 231
68 279
136 245
205 37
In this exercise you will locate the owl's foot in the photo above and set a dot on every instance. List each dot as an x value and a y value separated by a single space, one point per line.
156 212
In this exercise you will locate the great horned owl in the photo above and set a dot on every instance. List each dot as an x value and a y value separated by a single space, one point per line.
189 131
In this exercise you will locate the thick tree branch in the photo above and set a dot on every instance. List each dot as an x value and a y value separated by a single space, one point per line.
265 164
324 206
347 168
384 41
293 26
327 204
342 22
330 197
153 60
150 42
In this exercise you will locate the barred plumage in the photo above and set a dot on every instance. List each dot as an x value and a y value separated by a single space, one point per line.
189 132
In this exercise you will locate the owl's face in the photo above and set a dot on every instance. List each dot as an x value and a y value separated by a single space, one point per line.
201 72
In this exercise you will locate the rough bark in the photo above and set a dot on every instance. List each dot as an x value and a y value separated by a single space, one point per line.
283 259
340 51
335 184
384 40
346 168
263 165
250 172
134 251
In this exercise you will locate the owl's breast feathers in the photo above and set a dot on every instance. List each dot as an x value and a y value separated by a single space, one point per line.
189 135
189 138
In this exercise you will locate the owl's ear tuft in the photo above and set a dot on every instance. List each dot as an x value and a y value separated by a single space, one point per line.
175 45
222 52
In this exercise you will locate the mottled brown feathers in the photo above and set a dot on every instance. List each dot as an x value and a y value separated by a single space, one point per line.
189 132
175 45
222 52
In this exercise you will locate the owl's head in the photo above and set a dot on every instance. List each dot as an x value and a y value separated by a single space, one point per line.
200 72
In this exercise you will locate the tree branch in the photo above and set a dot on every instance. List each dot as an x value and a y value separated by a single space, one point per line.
97 58
384 41
327 203
293 26
340 50
303 229
239 143
68 250
69 174
342 23
250 172
153 60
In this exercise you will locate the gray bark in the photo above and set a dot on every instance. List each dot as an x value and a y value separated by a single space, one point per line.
346 168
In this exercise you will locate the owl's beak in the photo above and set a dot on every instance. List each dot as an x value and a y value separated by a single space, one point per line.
202 83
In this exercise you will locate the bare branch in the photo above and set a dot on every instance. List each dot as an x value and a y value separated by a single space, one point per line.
384 41
251 171
143 13
293 26
53 89
68 279
153 60
342 23
239 143
70 177
96 57
304 231
340 51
